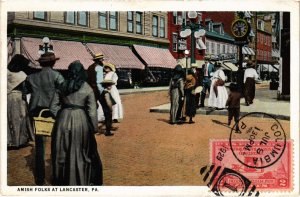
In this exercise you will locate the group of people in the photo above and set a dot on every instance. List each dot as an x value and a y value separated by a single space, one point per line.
185 88
72 102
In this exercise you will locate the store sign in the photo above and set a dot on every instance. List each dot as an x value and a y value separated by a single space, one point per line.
182 44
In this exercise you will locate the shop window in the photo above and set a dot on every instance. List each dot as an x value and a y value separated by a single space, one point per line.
139 24
130 21
155 26
40 15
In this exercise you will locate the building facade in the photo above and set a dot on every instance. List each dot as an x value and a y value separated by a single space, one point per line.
118 35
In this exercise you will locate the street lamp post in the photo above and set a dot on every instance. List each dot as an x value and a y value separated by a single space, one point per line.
46 47
186 54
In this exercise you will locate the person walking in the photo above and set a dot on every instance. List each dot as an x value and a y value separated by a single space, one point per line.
42 86
75 159
189 91
176 92
233 103
218 93
19 127
207 69
110 74
95 77
249 79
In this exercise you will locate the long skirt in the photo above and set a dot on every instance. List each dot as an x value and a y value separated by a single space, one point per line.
175 104
190 107
118 107
220 100
19 127
75 159
249 92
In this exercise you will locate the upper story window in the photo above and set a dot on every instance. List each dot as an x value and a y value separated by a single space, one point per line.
70 17
139 24
130 21
175 18
103 20
155 26
261 25
113 20
40 15
82 18
162 27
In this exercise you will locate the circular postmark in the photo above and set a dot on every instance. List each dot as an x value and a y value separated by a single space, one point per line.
257 143
232 183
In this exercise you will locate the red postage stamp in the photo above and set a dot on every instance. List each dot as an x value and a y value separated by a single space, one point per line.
277 176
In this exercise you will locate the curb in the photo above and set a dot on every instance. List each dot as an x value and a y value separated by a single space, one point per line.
223 113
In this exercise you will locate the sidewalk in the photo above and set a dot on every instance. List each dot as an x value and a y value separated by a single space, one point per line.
142 90
265 101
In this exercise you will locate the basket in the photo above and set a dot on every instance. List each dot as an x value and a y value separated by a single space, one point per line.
43 126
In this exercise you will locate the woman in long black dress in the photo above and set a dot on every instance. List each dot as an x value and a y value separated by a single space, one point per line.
74 152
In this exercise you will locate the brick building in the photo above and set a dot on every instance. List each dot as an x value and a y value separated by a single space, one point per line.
136 42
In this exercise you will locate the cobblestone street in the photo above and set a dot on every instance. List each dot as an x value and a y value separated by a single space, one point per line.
145 149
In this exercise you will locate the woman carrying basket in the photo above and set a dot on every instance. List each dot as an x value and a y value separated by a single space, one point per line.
75 159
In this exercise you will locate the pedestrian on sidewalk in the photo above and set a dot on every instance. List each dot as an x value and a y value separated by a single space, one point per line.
190 98
42 86
75 158
207 69
233 103
107 102
95 77
19 127
176 92
218 93
110 74
249 79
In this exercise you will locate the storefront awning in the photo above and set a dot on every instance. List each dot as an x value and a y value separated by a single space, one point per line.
120 56
67 51
229 66
251 51
246 51
156 57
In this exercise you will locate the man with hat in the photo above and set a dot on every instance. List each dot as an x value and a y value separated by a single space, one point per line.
207 70
96 75
249 80
42 86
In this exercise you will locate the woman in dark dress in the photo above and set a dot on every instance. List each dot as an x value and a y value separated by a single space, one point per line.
176 93
75 159
189 91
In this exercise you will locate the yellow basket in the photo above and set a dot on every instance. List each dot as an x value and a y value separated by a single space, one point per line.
43 126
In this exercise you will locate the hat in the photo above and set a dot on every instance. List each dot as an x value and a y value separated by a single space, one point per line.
108 82
47 57
98 56
194 65
111 66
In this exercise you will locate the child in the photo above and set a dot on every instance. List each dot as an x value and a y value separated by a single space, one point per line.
107 101
233 103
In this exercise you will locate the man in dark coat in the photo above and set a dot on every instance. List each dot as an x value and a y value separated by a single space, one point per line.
207 69
42 86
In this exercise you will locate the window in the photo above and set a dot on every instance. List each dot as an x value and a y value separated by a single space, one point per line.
162 27
260 25
130 21
103 20
224 48
39 15
113 20
175 18
218 48
174 42
139 25
70 17
155 26
213 45
183 18
82 18
207 44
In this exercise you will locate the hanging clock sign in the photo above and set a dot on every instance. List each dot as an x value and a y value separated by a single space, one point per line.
240 29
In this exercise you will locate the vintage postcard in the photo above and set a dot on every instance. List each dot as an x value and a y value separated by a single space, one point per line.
150 98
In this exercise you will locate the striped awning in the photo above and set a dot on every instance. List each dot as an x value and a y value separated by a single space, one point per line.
251 51
67 51
155 57
120 56
246 51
